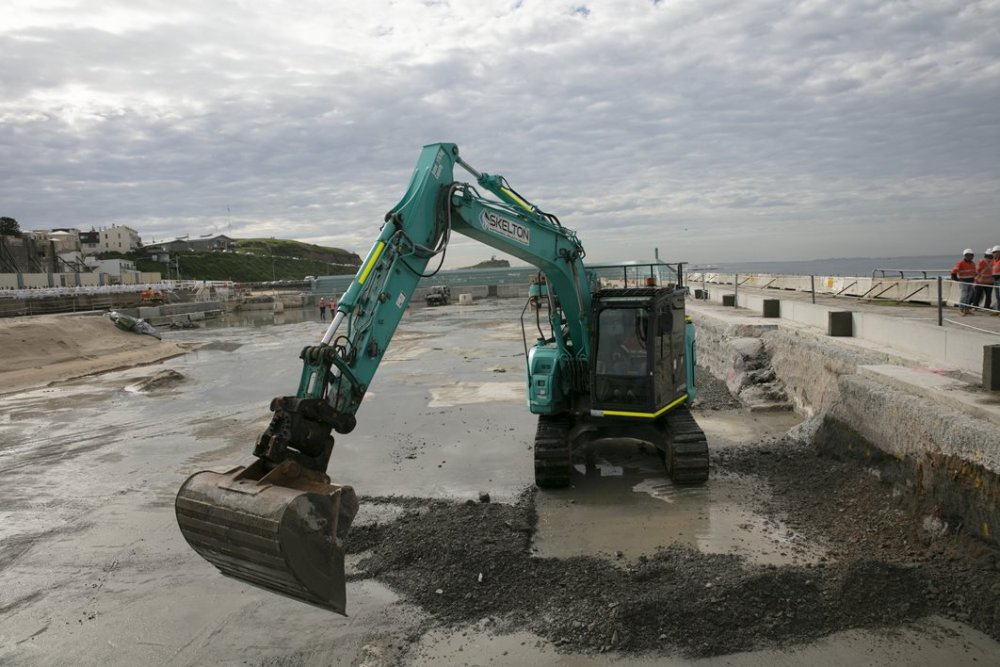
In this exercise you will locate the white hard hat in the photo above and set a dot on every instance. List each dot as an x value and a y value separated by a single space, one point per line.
968 251
996 248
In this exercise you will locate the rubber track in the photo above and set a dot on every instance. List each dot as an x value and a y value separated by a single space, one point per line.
553 458
687 448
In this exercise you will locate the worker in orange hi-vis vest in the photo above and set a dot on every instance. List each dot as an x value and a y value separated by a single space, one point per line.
984 281
965 272
996 281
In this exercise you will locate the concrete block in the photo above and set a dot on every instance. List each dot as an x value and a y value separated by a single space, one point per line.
700 294
937 387
729 300
991 367
772 308
841 323
465 299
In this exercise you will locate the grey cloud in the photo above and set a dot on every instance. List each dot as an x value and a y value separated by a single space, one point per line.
749 121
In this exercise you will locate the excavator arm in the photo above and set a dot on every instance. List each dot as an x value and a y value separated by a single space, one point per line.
280 523
417 231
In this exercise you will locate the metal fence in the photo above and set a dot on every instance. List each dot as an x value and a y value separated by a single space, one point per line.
937 291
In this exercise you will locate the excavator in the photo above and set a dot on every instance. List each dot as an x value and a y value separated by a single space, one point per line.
613 363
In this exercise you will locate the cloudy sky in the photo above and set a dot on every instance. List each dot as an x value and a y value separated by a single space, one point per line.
718 131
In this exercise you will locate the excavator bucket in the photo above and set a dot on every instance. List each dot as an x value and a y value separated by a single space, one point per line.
283 530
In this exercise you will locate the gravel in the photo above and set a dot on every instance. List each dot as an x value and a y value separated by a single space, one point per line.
463 562
713 393
466 562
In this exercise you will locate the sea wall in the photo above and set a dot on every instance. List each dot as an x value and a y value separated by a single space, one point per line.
935 437
166 314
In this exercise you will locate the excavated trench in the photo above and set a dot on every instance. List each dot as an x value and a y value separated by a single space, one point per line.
877 568
786 543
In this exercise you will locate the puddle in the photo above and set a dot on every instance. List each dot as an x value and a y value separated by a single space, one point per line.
481 646
464 393
627 505
933 641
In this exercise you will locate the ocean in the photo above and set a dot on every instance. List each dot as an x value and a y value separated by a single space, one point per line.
835 266
842 266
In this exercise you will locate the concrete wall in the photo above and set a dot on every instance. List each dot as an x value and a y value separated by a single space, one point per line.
947 460
41 280
934 437
810 367
35 279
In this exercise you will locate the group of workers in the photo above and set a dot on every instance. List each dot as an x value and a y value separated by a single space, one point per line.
980 280
331 303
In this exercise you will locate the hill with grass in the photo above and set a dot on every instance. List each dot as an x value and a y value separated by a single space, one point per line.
491 263
253 260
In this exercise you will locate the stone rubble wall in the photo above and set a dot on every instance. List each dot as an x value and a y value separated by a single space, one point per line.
737 354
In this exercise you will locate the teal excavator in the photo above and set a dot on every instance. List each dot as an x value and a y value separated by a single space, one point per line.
609 363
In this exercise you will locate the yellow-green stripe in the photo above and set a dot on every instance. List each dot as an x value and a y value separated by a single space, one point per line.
647 415
371 262
520 202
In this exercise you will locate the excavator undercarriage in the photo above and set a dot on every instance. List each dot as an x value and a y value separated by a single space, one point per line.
679 442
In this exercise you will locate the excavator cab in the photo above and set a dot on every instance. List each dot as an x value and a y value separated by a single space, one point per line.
639 350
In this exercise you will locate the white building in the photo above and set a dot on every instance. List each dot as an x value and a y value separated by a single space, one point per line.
117 271
116 238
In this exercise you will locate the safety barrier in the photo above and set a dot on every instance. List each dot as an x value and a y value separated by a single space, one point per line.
989 294
939 292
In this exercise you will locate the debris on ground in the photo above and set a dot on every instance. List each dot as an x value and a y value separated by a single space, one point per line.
883 569
477 562
862 517
158 382
713 394
133 324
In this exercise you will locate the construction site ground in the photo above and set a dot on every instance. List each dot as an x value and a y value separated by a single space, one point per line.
783 557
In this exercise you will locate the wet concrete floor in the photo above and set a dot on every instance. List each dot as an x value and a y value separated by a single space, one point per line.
93 570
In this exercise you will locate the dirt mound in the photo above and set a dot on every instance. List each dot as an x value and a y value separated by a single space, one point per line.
476 562
159 382
865 519
47 339
41 349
